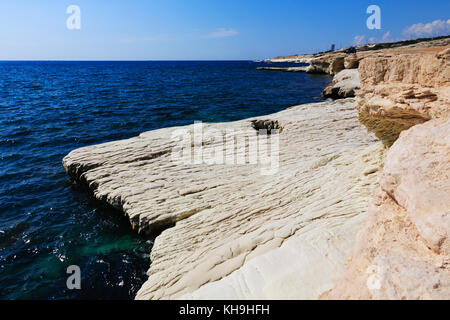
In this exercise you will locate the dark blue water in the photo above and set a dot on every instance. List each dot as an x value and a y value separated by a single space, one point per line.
48 109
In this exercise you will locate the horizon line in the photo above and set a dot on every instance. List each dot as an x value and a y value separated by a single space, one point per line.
117 60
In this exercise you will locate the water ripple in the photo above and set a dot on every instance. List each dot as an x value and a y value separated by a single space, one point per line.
48 109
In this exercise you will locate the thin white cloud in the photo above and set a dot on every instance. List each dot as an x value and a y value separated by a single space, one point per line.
372 40
223 33
358 40
432 29
386 36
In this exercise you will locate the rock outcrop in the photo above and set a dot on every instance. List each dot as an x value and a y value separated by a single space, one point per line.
277 229
344 85
286 69
305 58
351 60
412 83
329 63
403 251
335 61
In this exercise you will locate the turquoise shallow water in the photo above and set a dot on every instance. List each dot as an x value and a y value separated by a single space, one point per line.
48 109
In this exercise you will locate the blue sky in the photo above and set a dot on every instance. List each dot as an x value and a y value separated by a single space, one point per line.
204 29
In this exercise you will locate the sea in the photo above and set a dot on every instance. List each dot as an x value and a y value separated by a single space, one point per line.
48 108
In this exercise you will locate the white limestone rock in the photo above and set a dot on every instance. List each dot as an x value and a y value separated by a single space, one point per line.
232 231
344 85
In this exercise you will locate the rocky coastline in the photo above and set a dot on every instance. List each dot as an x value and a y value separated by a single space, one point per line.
372 169
403 250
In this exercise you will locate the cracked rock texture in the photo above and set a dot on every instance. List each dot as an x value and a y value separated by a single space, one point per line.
403 250
243 231
407 83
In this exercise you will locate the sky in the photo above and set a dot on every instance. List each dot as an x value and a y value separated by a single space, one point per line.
205 29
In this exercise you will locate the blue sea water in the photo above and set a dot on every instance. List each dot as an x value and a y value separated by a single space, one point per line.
48 109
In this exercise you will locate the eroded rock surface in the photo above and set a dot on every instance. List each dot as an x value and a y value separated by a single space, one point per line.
344 85
412 83
403 250
231 230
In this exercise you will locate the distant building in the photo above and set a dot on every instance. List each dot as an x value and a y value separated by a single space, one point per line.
333 47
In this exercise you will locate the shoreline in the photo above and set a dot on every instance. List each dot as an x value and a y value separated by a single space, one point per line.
226 228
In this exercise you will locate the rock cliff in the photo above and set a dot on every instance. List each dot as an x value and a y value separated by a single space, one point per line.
406 83
403 251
